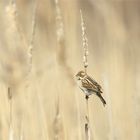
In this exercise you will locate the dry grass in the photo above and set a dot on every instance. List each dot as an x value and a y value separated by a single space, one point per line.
48 105
85 66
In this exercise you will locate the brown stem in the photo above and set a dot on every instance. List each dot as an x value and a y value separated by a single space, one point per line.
10 105
85 69
87 127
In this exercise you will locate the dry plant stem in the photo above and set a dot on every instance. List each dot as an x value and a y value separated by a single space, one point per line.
85 43
19 29
59 23
87 127
57 121
31 43
10 96
85 64
85 69
61 47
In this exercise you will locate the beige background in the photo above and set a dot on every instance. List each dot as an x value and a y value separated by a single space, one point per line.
48 105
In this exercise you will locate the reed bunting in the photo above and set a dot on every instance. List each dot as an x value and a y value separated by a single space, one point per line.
89 86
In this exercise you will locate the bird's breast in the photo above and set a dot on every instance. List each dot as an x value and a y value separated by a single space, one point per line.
86 91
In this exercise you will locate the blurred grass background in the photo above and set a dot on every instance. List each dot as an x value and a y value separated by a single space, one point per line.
48 105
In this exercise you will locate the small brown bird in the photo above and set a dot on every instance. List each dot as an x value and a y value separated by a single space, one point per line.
89 86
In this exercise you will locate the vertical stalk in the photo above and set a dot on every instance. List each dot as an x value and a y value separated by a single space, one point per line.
10 105
85 43
85 64
10 96
87 126
33 31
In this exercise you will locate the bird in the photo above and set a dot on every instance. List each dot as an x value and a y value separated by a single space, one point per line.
89 86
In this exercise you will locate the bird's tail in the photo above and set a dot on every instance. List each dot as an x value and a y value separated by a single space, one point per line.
102 99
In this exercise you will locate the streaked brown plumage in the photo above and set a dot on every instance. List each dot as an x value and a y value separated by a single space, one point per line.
89 86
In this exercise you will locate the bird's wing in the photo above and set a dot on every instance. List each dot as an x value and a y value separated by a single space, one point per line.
91 80
89 85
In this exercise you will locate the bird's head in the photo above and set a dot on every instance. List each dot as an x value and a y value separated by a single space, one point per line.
80 75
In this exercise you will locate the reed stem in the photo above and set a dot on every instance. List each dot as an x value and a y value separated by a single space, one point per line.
10 96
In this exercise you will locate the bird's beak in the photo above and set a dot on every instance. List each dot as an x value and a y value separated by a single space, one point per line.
77 77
